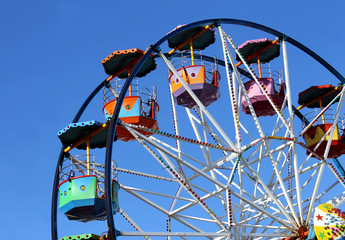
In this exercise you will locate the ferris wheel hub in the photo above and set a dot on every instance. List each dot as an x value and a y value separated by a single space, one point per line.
303 232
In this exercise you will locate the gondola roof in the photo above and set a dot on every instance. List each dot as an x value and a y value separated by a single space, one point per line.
120 61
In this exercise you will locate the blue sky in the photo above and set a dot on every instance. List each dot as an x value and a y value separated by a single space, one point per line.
50 61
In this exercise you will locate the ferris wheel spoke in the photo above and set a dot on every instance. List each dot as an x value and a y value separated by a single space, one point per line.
130 220
269 225
173 197
305 184
263 226
205 137
306 169
199 172
338 200
260 217
276 186
189 225
175 119
205 124
192 204
133 192
249 202
246 131
307 160
194 218
263 200
143 174
173 171
255 226
215 220
272 185
269 192
185 163
291 114
280 180
288 87
163 152
311 176
178 145
340 177
316 188
332 129
317 198
243 192
232 95
146 200
272 151
258 170
240 187
204 150
172 206
276 130
229 57
180 169
214 165
248 209
164 144
280 154
323 193
208 195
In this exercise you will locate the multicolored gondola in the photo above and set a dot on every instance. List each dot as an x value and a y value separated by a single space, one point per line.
322 97
134 110
203 80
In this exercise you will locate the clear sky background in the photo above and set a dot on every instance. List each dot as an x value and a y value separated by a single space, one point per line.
50 61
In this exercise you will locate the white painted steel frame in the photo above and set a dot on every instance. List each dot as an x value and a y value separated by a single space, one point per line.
269 208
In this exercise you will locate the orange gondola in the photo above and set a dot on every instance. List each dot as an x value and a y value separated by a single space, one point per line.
201 77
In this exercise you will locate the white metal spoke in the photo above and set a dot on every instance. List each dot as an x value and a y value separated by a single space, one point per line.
334 122
317 184
261 209
268 191
123 213
146 200
156 193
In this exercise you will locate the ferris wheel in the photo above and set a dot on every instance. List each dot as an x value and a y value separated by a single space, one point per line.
237 145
